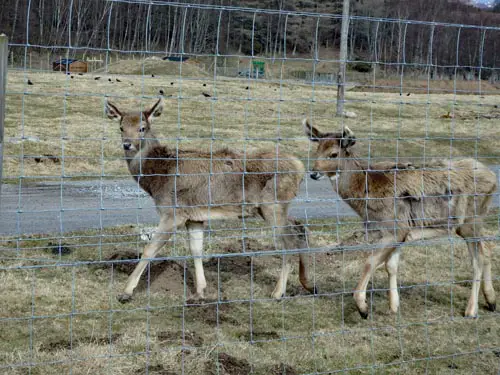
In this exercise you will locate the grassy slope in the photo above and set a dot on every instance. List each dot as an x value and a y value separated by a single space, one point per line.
67 116
79 326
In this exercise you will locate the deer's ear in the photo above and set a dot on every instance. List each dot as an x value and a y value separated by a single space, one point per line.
312 132
348 138
112 111
155 110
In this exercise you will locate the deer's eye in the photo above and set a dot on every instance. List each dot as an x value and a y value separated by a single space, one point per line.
333 155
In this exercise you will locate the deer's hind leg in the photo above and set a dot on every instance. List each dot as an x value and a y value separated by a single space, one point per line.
487 285
476 251
163 233
300 242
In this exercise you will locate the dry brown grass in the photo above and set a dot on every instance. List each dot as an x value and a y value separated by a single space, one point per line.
414 86
67 317
67 115
59 314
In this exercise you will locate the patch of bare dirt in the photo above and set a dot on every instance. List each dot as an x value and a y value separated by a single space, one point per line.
241 246
229 266
227 365
174 338
237 265
163 276
65 344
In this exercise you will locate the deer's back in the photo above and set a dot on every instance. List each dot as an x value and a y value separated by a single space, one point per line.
442 193
224 177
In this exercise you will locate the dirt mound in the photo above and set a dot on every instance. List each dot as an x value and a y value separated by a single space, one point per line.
163 275
189 68
237 265
227 365
242 247
63 344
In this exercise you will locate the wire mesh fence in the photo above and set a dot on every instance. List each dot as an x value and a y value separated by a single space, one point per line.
175 131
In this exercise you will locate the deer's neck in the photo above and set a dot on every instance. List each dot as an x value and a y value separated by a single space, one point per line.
135 158
351 179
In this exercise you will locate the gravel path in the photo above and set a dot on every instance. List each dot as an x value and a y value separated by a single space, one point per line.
53 207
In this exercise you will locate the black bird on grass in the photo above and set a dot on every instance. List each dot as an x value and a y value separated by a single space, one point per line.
97 78
72 77
206 95
117 80
30 83
204 85
109 79
246 88
171 83
408 94
152 75
162 92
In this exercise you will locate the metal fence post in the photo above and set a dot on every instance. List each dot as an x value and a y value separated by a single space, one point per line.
4 60
343 59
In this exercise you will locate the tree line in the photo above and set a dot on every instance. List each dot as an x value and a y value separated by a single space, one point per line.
300 29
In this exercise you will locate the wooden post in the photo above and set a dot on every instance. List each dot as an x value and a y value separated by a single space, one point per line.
4 61
343 59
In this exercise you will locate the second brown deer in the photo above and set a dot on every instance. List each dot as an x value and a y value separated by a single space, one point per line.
191 187
410 204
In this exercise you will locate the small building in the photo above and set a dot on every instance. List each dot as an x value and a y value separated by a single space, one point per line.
176 58
70 65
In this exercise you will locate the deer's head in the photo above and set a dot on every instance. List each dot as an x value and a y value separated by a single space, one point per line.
332 150
135 126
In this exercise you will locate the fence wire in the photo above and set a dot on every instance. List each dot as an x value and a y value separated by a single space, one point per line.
210 102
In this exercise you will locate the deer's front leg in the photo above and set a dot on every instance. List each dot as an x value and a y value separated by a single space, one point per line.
162 234
376 259
195 230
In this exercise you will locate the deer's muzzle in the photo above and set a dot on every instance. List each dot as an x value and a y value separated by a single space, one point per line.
317 175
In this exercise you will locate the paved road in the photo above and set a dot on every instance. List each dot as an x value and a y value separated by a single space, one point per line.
55 208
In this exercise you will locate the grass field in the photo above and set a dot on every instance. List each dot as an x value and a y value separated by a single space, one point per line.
59 312
57 125
66 318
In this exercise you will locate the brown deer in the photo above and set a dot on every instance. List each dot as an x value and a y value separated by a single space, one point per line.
410 204
192 187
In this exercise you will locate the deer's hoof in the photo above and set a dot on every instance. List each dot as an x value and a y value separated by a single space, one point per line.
124 298
364 314
277 295
491 306
315 290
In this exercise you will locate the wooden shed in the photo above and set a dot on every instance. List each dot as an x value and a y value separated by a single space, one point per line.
70 65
